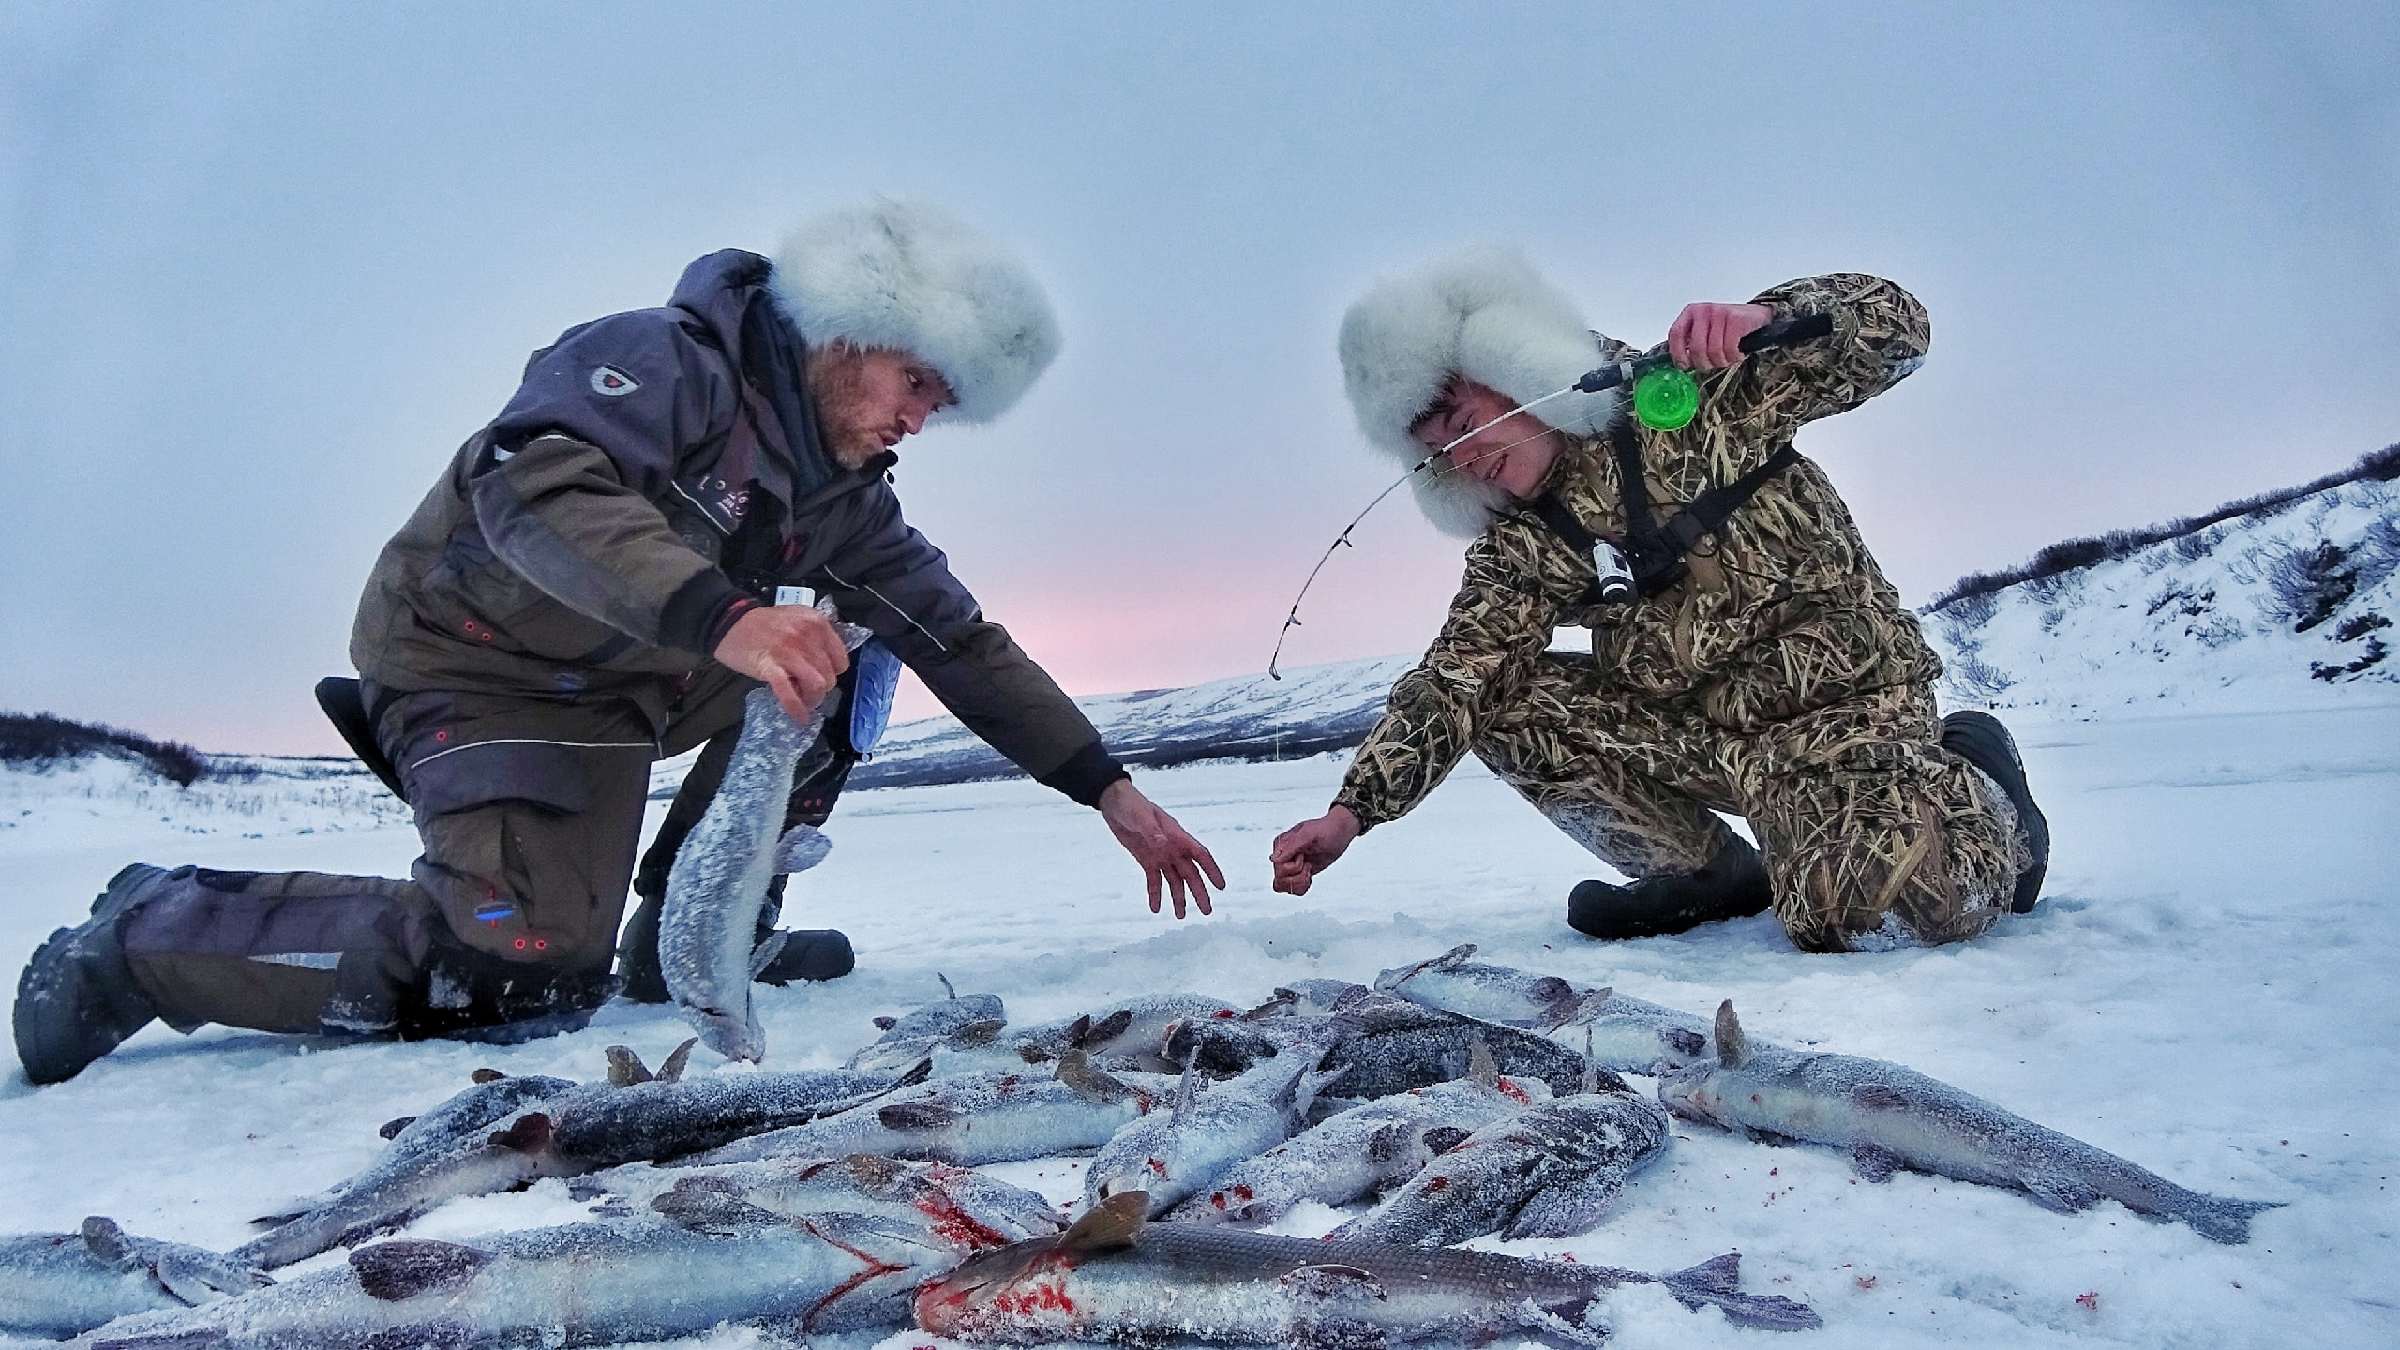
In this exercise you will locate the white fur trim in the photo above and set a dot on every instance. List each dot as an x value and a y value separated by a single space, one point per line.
909 276
1484 313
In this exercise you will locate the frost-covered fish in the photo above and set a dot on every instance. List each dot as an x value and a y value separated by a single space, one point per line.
598 1283
1619 1032
1174 1154
1552 1170
1385 1044
1128 1035
954 1023
973 1119
1110 1277
977 1208
708 946
58 1284
1369 1148
507 1132
1888 1117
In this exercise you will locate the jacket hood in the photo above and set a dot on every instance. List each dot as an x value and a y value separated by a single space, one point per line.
1483 313
909 276
728 292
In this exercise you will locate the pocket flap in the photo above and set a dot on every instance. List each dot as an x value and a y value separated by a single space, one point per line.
544 773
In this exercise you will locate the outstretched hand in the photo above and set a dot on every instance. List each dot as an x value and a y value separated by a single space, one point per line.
1171 859
1310 847
1709 337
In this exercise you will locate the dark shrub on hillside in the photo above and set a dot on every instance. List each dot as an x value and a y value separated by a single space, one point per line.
40 739
2071 554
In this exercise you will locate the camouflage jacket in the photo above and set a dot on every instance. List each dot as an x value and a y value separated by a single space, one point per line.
1782 612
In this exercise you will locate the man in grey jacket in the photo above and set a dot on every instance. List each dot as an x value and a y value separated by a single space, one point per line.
589 587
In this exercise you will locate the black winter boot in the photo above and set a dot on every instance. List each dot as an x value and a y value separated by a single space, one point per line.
1732 885
1980 740
77 999
807 954
638 977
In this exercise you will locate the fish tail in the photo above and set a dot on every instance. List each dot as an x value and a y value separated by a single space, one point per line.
2219 1219
1716 1283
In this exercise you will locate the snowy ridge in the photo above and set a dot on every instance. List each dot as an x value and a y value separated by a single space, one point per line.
1311 710
2291 607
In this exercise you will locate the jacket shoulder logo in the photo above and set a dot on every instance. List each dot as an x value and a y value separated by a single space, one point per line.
612 382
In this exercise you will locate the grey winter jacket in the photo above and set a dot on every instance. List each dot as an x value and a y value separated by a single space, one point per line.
655 473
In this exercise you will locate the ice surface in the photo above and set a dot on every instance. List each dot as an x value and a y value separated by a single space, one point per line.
2209 978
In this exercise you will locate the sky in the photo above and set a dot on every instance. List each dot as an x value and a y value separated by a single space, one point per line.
264 267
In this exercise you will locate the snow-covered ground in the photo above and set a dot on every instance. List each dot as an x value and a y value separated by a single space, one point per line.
2208 990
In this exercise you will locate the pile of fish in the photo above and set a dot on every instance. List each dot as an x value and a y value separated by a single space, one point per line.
1451 1100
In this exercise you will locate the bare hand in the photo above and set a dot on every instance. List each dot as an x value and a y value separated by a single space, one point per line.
1166 852
1709 337
1310 847
792 649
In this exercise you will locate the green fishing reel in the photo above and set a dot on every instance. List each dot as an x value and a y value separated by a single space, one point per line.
1666 398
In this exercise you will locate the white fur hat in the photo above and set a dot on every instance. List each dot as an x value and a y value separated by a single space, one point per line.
910 276
1484 313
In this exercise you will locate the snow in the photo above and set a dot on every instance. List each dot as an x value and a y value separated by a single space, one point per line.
2206 990
2292 608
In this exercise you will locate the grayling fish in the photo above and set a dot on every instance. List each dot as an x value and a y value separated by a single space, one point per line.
1172 1155
549 1127
59 1284
1552 1170
598 1283
1369 1148
977 1207
1126 1036
708 928
1387 1044
1888 1117
1618 1032
951 1023
1110 1277
973 1119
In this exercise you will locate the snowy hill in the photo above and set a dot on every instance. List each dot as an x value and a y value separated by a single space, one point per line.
1307 712
2287 604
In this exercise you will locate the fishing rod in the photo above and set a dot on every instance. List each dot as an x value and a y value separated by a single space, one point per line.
1665 398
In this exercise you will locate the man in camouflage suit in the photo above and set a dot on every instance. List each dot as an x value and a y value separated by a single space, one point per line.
1778 678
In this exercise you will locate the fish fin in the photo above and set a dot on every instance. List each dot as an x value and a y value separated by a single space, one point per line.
886 1023
801 848
1716 1275
1306 1087
709 1205
1113 1223
916 1116
105 1240
949 990
391 1128
1682 1041
764 954
678 1060
1550 1325
1717 1284
2221 1220
1076 1071
1568 1208
2061 1193
1576 1008
1877 1097
917 1073
1186 1088
528 1133
625 1068
1079 1031
199 1277
1277 1004
1034 1054
1449 960
873 1170
1388 1142
1733 1048
1591 1067
1873 1162
983 1032
1443 1138
1480 1065
482 1076
413 1266
1105 1030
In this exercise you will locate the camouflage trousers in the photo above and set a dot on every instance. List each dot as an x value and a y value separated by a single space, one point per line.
1870 830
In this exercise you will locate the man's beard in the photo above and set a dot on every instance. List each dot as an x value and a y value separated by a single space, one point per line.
833 388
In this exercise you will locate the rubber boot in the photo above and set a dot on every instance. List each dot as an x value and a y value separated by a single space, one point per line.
1732 885
1980 740
807 954
77 999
